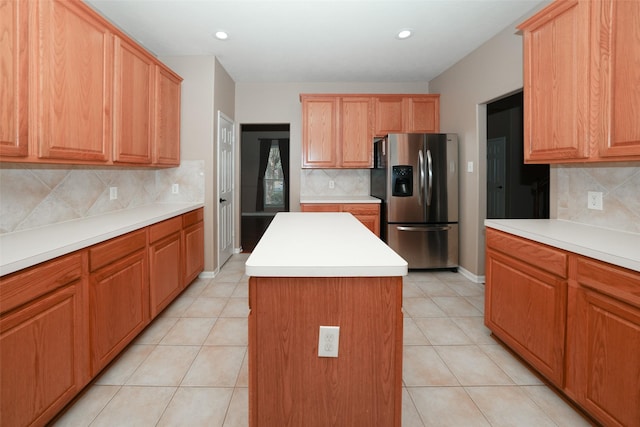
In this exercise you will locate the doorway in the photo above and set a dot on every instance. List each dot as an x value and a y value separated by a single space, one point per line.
264 178
514 189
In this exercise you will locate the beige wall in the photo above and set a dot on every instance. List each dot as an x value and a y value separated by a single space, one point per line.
490 72
206 88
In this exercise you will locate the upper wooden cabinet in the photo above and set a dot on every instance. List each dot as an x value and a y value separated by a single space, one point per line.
581 87
166 145
616 60
407 114
338 129
79 91
319 131
72 86
134 95
14 83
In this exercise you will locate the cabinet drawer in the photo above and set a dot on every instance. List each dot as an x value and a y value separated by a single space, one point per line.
165 228
320 207
361 209
543 257
114 249
26 285
616 282
192 217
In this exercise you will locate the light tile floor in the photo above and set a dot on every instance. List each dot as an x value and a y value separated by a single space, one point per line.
189 367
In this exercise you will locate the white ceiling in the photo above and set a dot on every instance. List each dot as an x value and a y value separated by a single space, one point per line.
318 40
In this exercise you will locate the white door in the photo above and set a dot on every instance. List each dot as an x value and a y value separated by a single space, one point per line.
496 177
226 139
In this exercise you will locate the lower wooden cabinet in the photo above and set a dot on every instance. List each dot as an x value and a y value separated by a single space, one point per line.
366 213
192 245
118 295
574 319
604 342
64 320
165 269
44 359
525 306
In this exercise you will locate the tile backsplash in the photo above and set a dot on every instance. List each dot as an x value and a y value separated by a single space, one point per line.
347 182
37 195
619 184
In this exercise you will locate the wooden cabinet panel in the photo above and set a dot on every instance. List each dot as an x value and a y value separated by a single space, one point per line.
118 299
43 340
290 385
193 245
167 120
606 340
133 101
366 213
526 308
319 132
423 114
73 84
389 115
356 130
165 272
556 86
616 57
14 82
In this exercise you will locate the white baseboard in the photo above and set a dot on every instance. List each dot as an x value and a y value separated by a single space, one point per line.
471 276
207 275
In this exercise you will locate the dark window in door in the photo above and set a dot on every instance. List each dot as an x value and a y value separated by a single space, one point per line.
264 178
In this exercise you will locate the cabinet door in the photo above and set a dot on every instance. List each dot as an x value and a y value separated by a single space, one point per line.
422 114
165 274
616 58
167 120
556 83
73 83
607 346
14 81
356 132
526 300
193 259
43 341
319 132
133 97
118 295
389 117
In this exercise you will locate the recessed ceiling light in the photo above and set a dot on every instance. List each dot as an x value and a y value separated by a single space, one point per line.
404 33
222 35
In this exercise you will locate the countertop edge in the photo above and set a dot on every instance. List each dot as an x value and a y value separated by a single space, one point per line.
607 245
339 199
66 237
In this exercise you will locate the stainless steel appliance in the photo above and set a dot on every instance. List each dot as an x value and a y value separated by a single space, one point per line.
416 177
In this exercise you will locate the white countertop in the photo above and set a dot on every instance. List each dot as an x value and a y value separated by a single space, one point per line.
24 249
339 199
313 244
615 247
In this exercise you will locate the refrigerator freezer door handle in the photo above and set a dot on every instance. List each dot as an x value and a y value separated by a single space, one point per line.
430 184
419 228
421 180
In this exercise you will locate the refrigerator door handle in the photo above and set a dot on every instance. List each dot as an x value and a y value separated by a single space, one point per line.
423 228
430 184
422 177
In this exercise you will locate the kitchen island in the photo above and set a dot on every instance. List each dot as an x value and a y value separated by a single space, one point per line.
324 269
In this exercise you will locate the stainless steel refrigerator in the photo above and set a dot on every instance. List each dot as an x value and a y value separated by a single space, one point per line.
416 177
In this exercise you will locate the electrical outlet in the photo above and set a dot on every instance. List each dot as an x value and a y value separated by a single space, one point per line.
332 184
113 193
594 200
175 189
328 341
469 167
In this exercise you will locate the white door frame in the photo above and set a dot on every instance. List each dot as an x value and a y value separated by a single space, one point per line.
230 170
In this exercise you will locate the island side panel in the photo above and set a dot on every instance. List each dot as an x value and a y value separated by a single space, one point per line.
289 385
